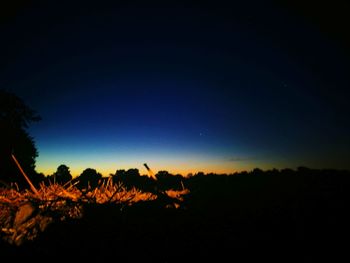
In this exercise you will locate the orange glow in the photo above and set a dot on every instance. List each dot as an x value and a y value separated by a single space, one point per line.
185 164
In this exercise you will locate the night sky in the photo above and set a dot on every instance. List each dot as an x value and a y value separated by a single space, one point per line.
183 87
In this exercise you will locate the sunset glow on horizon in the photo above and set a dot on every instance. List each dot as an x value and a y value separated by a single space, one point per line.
182 163
108 163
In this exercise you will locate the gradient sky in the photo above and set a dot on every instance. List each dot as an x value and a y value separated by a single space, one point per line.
183 87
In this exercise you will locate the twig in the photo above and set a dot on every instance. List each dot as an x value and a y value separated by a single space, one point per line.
26 177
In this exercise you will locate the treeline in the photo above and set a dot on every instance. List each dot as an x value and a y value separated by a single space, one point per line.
284 180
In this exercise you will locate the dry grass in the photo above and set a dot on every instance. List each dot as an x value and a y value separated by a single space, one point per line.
108 192
25 214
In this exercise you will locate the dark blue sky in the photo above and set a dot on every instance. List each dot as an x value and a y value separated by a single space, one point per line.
184 87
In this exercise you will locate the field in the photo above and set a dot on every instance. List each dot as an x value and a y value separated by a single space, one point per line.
280 216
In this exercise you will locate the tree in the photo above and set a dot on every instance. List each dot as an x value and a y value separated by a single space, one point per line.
62 175
15 117
167 181
89 178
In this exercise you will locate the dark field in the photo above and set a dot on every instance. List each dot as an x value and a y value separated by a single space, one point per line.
279 216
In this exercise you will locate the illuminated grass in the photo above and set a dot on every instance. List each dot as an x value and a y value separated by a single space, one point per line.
25 214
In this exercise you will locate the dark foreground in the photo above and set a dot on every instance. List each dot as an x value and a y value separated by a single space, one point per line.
296 217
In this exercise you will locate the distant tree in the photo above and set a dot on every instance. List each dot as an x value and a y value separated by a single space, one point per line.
133 172
62 175
131 177
257 171
89 178
167 180
162 175
118 176
199 174
15 117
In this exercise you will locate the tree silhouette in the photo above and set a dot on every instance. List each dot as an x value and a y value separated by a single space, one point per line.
15 117
129 178
62 175
167 181
89 178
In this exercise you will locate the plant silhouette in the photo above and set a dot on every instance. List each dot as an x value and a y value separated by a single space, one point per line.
15 117
62 175
89 178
